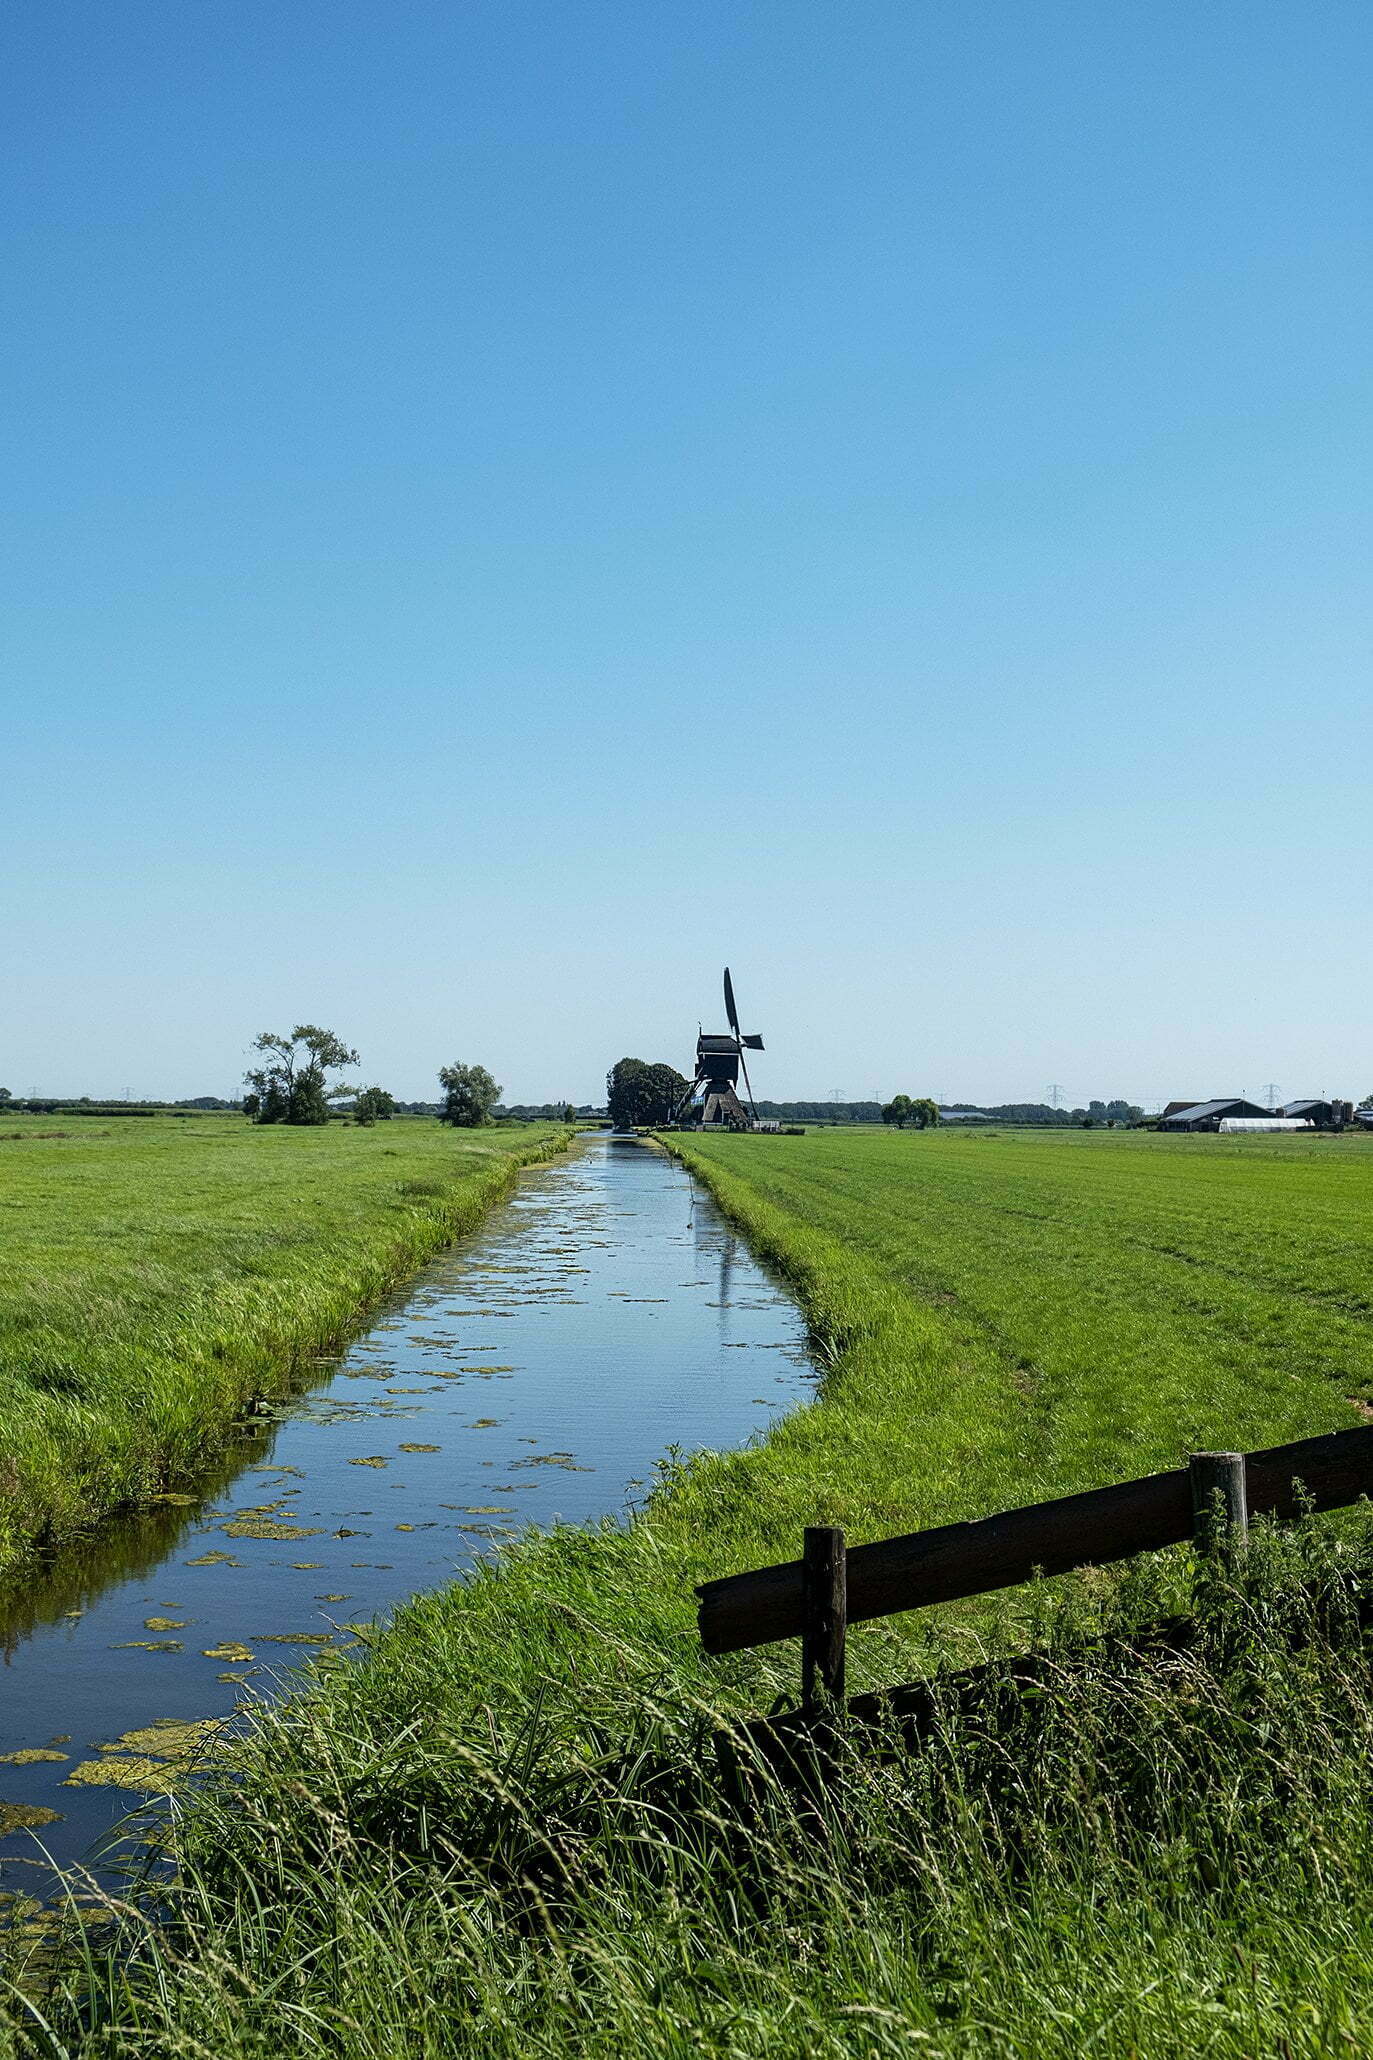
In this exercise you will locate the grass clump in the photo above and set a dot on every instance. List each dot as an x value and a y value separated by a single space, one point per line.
159 1277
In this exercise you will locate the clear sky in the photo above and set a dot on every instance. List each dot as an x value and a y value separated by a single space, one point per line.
507 506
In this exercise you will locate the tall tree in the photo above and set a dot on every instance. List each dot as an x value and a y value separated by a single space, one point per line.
469 1095
899 1110
291 1084
637 1093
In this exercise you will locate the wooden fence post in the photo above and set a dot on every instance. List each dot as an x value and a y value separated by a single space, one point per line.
825 1608
1213 1474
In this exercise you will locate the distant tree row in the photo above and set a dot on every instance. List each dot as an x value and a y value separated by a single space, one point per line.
637 1093
292 1084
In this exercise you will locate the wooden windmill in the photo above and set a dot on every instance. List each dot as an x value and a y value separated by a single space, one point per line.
719 1062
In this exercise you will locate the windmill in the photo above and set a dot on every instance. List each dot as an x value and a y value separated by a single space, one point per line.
719 1062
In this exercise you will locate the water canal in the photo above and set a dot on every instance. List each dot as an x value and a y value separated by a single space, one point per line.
534 1372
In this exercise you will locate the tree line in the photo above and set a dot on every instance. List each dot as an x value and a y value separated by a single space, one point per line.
292 1084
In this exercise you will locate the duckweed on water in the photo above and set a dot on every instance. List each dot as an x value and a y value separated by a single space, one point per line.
230 1649
168 1738
376 1459
31 1756
165 1623
421 1448
261 1527
25 1817
148 1776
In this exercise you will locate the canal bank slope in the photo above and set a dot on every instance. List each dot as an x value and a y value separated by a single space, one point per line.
161 1275
505 1832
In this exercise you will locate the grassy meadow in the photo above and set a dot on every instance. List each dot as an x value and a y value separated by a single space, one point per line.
504 1831
160 1273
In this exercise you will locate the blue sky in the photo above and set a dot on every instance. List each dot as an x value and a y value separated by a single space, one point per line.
506 507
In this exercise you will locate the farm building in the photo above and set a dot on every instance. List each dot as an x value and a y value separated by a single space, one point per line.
1183 1116
1326 1115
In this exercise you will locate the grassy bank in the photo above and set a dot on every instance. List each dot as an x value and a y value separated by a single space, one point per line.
505 1832
159 1275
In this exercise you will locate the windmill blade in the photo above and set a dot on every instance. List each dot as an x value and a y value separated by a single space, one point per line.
752 1043
731 1012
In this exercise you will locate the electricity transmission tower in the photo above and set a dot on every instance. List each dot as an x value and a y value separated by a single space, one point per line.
1269 1095
1054 1093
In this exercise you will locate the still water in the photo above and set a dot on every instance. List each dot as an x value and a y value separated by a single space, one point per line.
534 1372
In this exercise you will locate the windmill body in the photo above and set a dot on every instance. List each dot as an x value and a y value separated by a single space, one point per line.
719 1062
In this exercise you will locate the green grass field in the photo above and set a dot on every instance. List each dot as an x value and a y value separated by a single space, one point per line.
504 1834
1076 1306
160 1272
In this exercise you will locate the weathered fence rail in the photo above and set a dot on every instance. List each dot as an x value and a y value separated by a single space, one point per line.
817 1596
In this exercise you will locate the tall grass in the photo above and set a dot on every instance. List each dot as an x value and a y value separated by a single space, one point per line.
160 1276
1164 1849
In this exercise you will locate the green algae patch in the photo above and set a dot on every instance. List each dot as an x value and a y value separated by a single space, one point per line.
296 1638
231 1650
266 1527
31 1756
147 1776
148 1645
169 1738
421 1448
25 1817
376 1459
215 1559
165 1623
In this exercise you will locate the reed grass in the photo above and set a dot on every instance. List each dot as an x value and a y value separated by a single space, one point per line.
160 1276
1159 1852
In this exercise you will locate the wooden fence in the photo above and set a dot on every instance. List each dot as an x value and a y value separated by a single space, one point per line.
817 1596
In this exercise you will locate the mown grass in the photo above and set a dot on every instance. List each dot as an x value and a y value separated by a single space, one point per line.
159 1275
506 1830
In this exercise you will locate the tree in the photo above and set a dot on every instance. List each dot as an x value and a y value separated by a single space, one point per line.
470 1094
901 1110
373 1105
291 1084
667 1091
637 1093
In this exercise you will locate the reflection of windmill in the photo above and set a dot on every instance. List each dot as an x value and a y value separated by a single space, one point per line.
719 1061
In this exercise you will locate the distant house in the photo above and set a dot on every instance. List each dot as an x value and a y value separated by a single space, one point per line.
1186 1116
